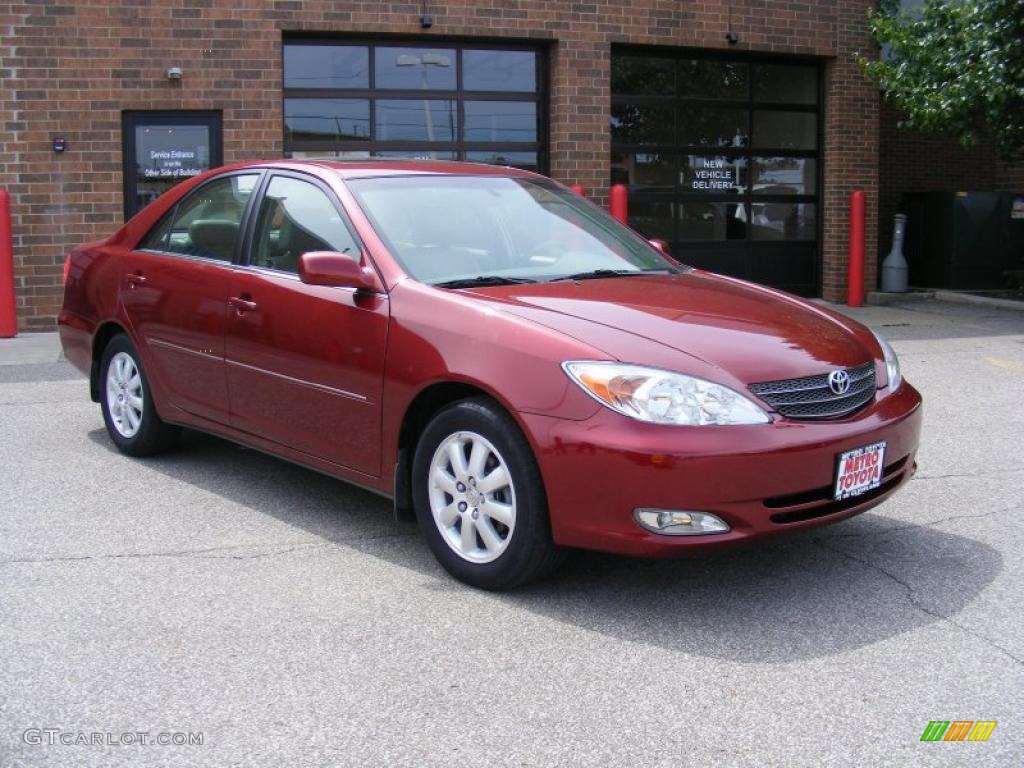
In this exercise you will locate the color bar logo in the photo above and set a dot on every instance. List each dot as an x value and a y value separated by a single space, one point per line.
958 730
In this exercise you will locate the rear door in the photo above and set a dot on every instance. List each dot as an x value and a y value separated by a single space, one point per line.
174 289
305 363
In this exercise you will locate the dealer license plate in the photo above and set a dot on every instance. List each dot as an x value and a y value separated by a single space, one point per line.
859 470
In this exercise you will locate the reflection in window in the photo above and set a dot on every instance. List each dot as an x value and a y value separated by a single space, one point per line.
712 221
788 83
713 127
642 124
644 170
415 68
712 79
499 70
785 175
326 66
525 160
642 75
785 130
416 120
327 118
411 154
784 221
653 219
500 120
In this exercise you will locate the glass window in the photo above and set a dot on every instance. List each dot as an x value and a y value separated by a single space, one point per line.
642 124
715 175
499 70
411 154
156 240
785 176
326 66
500 121
415 68
644 170
788 83
416 120
712 221
784 221
207 222
785 130
525 160
653 219
327 118
713 127
297 217
713 79
642 75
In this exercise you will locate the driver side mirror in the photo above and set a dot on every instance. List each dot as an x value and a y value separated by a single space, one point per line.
337 270
661 247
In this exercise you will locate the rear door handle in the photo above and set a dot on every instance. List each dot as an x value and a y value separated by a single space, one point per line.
134 279
242 305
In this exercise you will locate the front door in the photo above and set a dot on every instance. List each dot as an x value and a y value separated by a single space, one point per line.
305 363
174 289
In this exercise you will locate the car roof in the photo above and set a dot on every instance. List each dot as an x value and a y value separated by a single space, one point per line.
359 169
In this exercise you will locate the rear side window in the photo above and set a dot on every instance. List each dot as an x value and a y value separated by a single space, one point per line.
207 222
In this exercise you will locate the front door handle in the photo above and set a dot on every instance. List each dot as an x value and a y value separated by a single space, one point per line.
135 279
241 304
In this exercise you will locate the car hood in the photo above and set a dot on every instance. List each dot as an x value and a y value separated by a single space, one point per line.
753 333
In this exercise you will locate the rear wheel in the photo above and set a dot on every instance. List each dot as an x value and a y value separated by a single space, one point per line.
128 410
479 497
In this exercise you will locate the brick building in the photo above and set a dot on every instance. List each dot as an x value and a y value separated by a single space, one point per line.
740 151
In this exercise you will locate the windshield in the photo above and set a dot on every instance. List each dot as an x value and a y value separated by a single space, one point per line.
447 229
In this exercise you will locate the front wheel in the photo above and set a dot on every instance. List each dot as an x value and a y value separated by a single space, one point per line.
479 498
128 410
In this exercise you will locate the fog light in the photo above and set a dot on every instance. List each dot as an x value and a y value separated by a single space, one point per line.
676 522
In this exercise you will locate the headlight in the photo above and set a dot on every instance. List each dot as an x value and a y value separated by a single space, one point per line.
893 377
662 397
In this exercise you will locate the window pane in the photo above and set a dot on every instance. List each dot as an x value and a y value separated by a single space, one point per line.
785 82
710 79
643 75
208 220
712 221
652 218
326 118
644 170
642 124
784 221
715 175
500 120
413 154
699 126
296 217
499 70
415 68
326 66
525 160
785 176
167 154
785 130
416 120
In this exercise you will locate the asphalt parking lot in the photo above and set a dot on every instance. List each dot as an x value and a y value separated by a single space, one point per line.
287 619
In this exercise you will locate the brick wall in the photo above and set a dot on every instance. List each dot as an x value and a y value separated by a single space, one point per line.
70 68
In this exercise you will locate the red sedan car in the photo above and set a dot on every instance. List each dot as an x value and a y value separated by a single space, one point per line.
491 351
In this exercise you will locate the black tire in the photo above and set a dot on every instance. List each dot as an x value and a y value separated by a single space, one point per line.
152 435
529 553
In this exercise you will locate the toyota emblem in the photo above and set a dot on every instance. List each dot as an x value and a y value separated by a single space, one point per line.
839 382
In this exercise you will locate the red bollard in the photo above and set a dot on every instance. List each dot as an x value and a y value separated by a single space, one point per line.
579 190
855 274
618 202
8 314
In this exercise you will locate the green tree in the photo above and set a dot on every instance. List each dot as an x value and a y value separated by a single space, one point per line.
955 66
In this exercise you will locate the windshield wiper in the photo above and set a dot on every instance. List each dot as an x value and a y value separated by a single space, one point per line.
596 274
483 280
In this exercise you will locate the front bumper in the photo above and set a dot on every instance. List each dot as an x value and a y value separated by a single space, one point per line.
762 479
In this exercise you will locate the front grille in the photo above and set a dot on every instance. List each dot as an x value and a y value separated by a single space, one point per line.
810 397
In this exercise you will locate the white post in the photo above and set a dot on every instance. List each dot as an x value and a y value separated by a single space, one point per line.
894 268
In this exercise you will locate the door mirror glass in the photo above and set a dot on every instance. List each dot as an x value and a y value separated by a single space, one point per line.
335 269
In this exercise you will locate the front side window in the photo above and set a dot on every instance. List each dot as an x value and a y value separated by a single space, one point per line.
297 217
462 227
207 222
